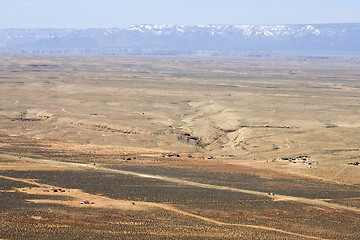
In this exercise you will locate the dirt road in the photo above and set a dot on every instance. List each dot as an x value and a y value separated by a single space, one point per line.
276 197
105 202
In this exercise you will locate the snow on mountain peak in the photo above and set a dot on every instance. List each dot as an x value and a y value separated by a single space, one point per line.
269 31
343 37
311 29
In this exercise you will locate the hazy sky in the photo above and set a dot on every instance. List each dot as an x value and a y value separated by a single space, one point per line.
122 13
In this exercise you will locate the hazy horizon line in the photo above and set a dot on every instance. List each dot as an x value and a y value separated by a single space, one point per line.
181 25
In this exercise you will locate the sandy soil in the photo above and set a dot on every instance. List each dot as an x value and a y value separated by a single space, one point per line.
251 110
230 115
97 201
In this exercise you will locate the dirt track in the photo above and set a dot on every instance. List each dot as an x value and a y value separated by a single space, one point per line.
276 197
235 224
104 202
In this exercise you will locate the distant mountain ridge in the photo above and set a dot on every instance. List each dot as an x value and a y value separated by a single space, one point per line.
184 40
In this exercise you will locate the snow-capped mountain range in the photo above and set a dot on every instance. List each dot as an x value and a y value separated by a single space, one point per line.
222 30
184 40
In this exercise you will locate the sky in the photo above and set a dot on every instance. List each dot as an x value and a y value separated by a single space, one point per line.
123 13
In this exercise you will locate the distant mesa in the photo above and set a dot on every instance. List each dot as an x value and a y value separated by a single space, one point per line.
210 40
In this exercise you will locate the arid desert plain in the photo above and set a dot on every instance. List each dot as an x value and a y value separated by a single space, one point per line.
179 148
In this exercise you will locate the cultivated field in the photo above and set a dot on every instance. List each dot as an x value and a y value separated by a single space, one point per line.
179 148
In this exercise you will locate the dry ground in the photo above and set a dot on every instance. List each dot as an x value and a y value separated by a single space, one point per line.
232 116
97 201
253 109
